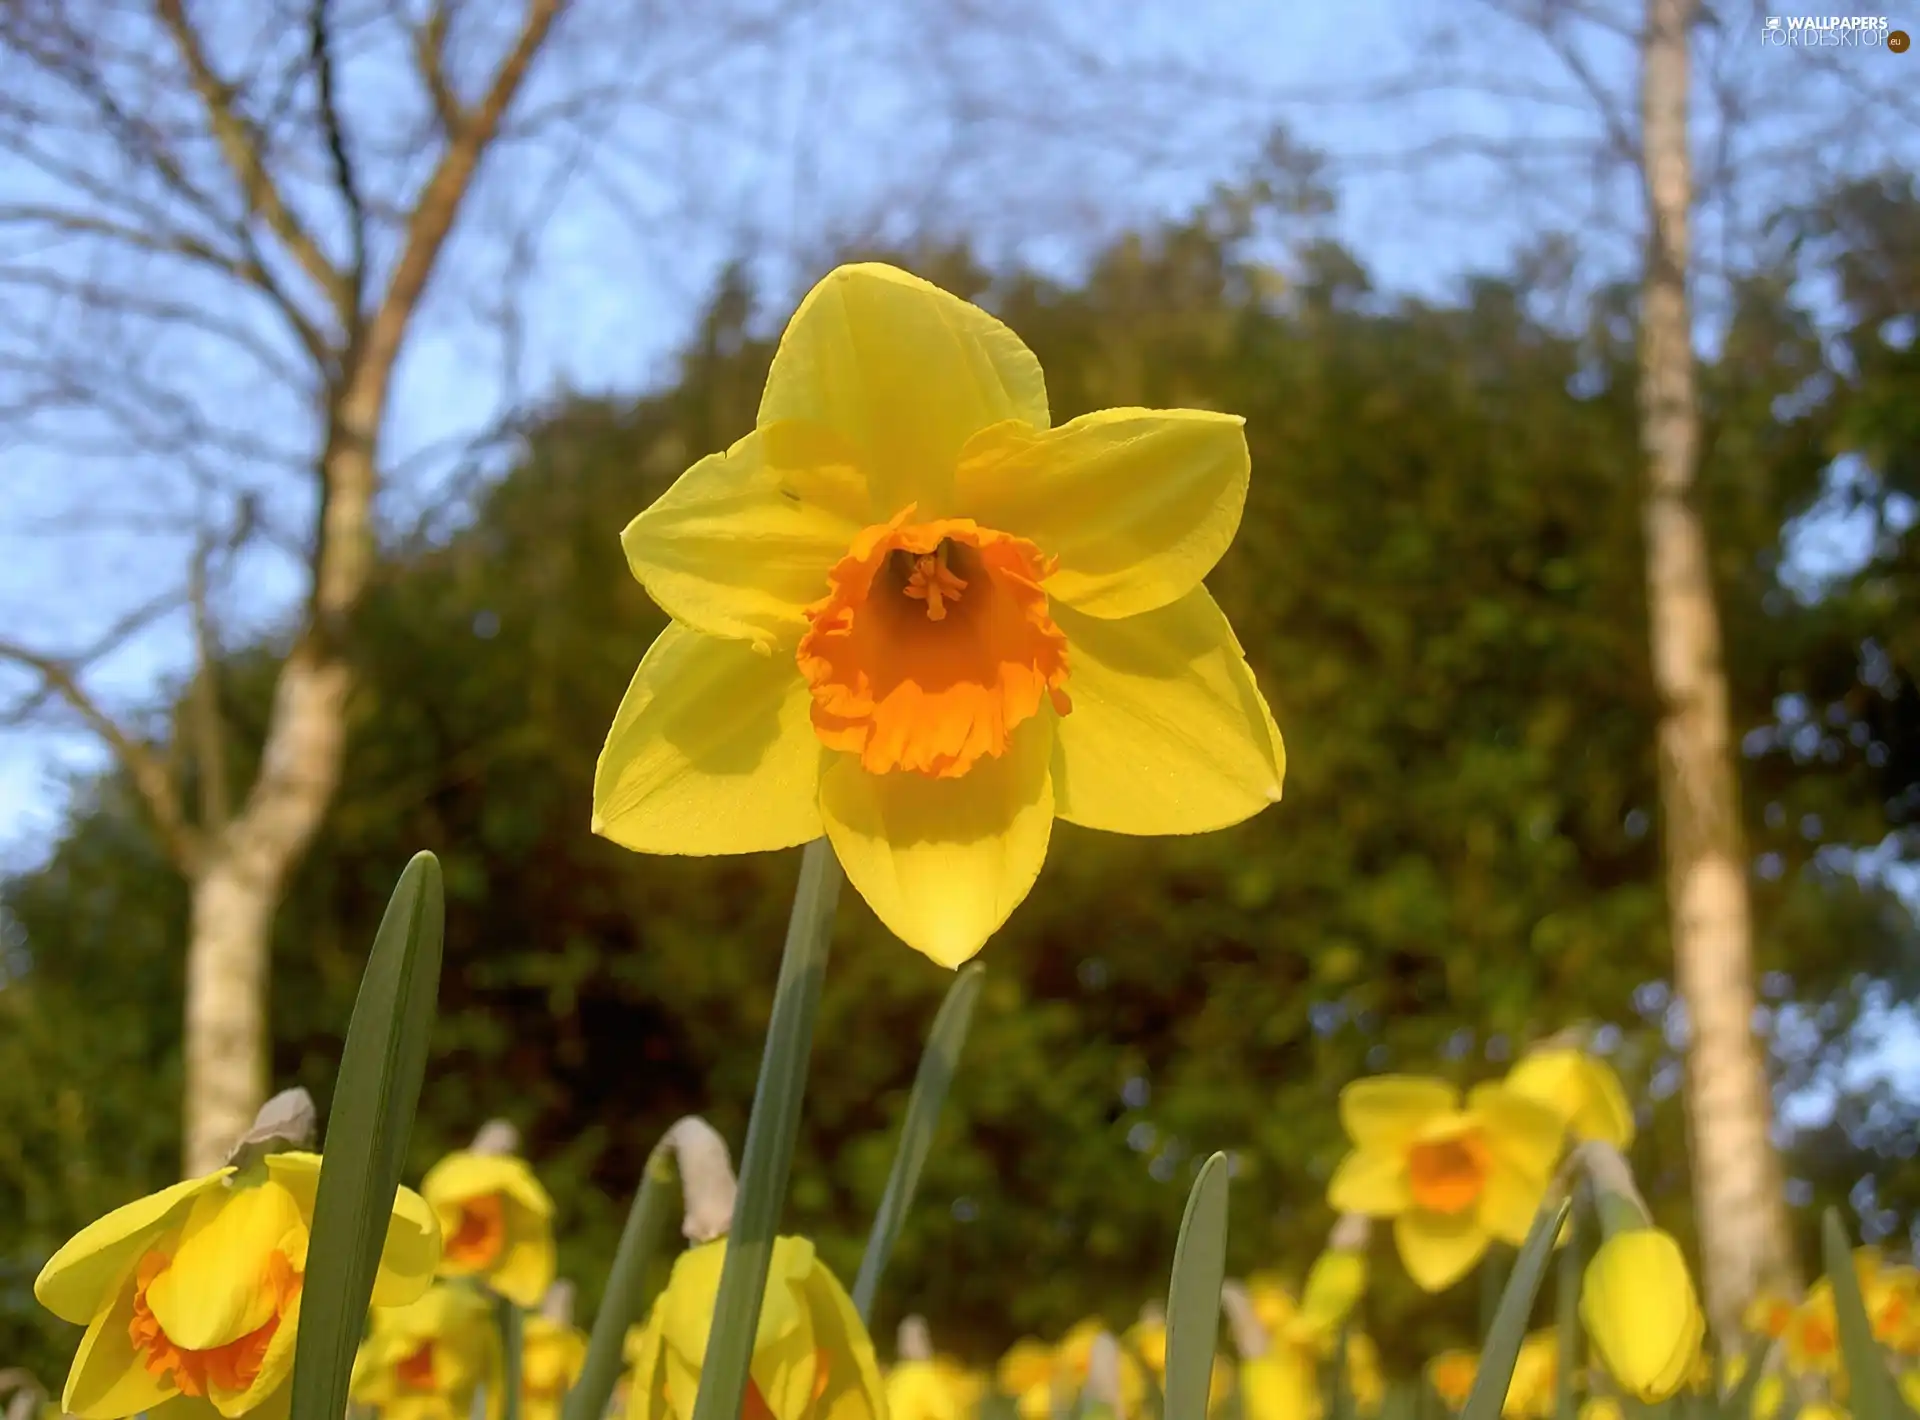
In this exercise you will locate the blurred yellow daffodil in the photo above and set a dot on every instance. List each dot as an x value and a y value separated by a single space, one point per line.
1146 1341
1638 1303
1811 1341
1026 1374
1452 1177
1074 1355
1451 1375
936 1389
1601 1407
552 1353
192 1294
1767 1314
498 1223
911 615
1581 1088
812 1358
1281 1385
427 1360
1533 1386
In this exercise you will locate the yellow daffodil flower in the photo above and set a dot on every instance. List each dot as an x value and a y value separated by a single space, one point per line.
1811 1342
1366 1383
1767 1314
498 1223
1601 1407
552 1354
1768 1392
1451 1375
936 1389
1273 1305
1582 1089
1146 1342
812 1358
911 615
1280 1385
1026 1374
427 1360
193 1293
1909 1383
1536 1371
1452 1177
1822 1410
1641 1313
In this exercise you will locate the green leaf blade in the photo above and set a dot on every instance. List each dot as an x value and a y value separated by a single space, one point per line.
1193 1293
1501 1347
382 1067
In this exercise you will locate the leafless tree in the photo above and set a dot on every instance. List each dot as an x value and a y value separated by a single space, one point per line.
220 227
1664 136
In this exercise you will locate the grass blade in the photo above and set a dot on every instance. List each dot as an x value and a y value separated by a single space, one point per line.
623 1302
1870 1385
1193 1294
1502 1345
937 1064
374 1097
771 1130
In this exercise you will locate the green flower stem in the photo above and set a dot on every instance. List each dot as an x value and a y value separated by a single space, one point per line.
937 1065
771 1130
1566 1319
624 1302
1501 1349
512 1354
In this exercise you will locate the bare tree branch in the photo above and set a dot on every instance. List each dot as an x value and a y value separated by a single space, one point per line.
343 175
257 185
144 768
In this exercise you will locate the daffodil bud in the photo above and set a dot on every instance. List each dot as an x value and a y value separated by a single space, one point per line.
706 1178
1250 1338
285 1122
1103 1376
1641 1313
1616 1197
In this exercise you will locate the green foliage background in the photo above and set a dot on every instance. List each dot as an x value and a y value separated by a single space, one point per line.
1439 584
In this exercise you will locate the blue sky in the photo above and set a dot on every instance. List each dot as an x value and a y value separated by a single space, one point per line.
1453 136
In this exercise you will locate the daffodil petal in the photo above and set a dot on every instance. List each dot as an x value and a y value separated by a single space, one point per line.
943 862
1371 1181
1509 1200
1438 1249
108 1379
738 547
526 1270
188 1407
904 374
1137 504
464 1174
76 1280
712 751
411 1251
852 1393
1168 732
1386 1112
1522 1132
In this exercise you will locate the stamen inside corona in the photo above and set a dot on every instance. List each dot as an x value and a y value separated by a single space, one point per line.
932 644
